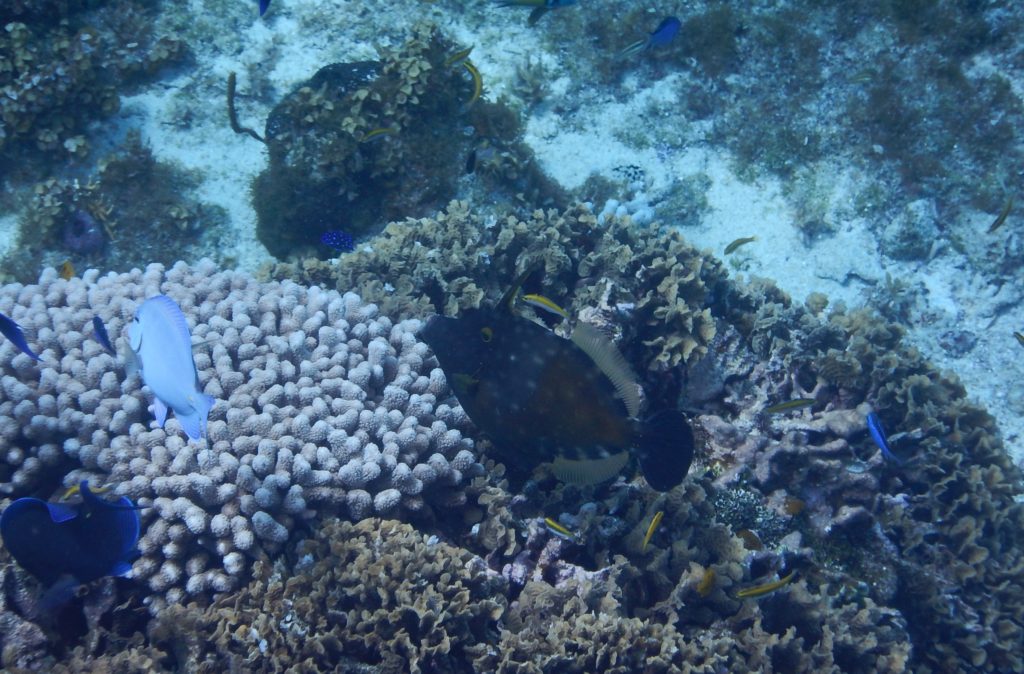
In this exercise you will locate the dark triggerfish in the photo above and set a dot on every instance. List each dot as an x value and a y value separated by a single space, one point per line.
541 398
83 541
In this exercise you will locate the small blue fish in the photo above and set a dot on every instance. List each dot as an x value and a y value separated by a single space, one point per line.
878 435
84 541
541 7
12 331
159 337
263 6
100 331
338 240
662 35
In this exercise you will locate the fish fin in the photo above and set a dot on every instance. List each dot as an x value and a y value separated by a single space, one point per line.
665 449
588 471
56 596
121 569
135 335
264 4
159 411
172 312
535 16
61 512
611 362
194 423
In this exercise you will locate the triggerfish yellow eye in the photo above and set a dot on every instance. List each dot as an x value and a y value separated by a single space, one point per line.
486 334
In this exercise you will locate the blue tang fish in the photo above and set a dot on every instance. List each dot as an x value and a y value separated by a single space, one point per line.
12 331
84 541
662 35
159 337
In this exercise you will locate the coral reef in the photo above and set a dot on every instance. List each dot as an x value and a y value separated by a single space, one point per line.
373 593
323 407
61 66
135 210
651 286
361 143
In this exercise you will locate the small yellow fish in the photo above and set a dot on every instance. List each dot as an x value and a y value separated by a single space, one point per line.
67 270
707 583
739 242
560 531
795 404
998 222
541 302
478 82
458 57
655 521
767 588
72 490
1020 338
379 132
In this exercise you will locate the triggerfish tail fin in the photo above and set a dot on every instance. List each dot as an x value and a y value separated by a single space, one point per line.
194 423
264 4
665 449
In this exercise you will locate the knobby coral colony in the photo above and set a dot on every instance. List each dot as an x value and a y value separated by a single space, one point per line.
794 546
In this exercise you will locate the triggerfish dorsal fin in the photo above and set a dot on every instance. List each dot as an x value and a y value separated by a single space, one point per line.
588 471
611 362
665 449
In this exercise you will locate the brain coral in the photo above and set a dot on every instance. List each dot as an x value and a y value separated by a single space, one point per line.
323 406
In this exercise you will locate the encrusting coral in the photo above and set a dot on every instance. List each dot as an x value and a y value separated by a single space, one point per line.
651 287
323 406
60 68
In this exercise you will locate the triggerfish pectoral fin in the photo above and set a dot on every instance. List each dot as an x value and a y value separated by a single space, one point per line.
665 449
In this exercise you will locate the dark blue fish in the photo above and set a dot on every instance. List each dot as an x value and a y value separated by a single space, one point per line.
540 7
83 541
338 240
263 6
878 435
12 331
662 35
102 337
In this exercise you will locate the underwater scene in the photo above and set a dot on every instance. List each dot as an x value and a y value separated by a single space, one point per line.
519 336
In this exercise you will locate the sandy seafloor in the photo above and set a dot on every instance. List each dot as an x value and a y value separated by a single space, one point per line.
296 37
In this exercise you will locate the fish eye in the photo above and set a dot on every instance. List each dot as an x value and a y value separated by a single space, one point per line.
486 334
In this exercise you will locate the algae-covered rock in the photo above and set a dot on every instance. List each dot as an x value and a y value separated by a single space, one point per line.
362 143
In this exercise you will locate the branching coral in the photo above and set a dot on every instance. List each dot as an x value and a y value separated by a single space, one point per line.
325 407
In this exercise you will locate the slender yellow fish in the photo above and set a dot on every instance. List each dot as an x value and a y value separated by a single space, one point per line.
655 521
767 588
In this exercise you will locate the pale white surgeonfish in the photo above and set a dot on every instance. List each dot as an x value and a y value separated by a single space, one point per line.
160 339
